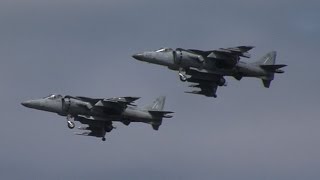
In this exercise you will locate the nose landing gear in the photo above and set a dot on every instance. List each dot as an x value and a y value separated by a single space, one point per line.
182 75
70 122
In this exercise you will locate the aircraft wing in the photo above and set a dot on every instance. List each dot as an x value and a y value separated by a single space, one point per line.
225 57
233 51
95 128
229 57
207 83
161 114
129 100
240 51
87 99
82 98
114 105
207 88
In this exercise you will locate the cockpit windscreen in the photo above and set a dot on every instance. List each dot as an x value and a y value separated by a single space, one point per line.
53 96
164 50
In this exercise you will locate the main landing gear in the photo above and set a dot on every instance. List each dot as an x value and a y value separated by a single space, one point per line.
107 128
70 121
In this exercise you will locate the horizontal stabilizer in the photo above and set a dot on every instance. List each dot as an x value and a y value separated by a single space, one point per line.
161 114
273 68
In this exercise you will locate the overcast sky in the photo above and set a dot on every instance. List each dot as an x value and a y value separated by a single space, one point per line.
80 47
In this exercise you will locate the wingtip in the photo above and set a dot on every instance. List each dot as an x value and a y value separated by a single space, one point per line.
136 98
133 97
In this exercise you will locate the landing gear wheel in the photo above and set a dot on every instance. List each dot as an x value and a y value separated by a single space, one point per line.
182 74
109 128
222 82
70 124
103 139
182 77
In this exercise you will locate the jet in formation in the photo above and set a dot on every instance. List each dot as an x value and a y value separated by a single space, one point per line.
99 114
206 69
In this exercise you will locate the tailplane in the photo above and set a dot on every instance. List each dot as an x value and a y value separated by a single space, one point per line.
273 68
156 110
268 64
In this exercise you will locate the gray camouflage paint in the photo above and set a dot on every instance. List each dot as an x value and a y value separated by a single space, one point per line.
99 114
82 47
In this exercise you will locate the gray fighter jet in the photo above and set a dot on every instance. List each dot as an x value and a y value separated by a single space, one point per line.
98 114
206 69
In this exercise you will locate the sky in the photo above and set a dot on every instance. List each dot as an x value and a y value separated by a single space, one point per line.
79 47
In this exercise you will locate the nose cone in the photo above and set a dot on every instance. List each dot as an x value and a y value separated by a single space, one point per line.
138 56
26 103
31 104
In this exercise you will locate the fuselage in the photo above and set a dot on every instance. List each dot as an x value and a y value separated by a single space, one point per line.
71 106
181 59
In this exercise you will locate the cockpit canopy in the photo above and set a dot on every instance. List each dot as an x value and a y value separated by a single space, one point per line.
164 50
53 96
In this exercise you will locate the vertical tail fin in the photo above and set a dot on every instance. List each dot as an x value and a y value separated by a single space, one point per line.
155 109
157 105
267 60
